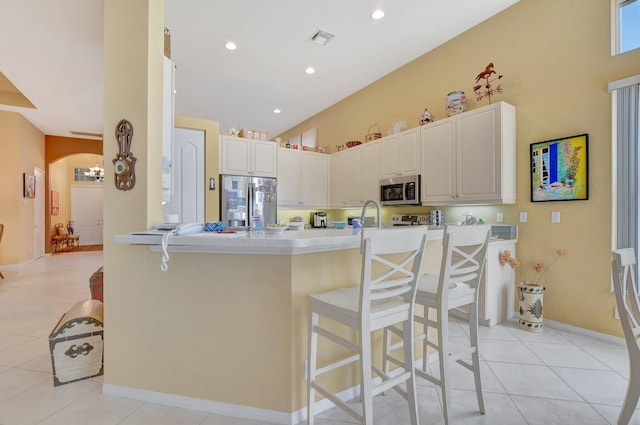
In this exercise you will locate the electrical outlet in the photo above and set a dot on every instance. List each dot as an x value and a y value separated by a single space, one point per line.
616 315
523 217
555 217
499 217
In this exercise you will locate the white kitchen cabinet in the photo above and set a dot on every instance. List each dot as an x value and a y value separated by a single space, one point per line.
355 175
371 171
400 153
470 158
496 299
303 178
338 179
248 157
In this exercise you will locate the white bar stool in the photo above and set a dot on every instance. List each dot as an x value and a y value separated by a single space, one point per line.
456 287
385 297
624 285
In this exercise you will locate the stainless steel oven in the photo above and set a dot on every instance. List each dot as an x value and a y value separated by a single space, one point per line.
402 190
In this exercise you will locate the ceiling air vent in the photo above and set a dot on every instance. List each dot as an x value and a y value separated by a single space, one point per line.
85 133
322 37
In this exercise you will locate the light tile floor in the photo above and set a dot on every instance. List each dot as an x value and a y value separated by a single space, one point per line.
555 377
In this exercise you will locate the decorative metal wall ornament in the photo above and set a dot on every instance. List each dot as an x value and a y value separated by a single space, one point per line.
485 89
124 162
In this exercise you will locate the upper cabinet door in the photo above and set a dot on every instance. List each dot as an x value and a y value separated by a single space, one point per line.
248 157
439 161
236 156
470 158
314 179
338 190
486 158
389 156
371 171
400 154
264 159
288 177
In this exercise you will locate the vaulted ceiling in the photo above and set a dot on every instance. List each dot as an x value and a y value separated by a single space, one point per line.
51 53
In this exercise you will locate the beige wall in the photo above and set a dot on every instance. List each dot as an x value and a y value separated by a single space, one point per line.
556 62
22 147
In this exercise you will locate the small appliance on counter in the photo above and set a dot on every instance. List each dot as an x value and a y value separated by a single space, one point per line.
410 219
318 219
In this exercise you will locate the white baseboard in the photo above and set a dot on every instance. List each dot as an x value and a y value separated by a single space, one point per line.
584 332
24 263
209 406
226 409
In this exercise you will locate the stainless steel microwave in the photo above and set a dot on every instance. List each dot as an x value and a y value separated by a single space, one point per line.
402 190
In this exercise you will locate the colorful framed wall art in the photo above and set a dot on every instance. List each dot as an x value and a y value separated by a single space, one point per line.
28 185
559 169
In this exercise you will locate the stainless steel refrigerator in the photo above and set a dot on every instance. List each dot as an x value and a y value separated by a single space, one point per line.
242 198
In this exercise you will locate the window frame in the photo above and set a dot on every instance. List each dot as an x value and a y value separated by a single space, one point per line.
616 42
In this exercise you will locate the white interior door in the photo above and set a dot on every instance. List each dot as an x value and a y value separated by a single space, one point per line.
187 199
86 213
38 215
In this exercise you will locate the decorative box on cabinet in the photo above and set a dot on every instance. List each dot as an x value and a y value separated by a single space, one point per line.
76 343
247 157
470 158
303 178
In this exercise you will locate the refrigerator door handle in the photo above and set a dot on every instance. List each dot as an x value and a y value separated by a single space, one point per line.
251 204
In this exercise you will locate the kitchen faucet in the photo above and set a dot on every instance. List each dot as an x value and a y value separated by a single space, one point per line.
364 209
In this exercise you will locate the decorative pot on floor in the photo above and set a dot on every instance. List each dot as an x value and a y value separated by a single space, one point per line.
531 302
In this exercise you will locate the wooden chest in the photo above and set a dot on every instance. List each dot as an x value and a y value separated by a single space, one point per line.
76 343
96 284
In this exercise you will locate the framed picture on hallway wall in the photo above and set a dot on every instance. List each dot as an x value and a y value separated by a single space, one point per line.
29 185
559 169
55 202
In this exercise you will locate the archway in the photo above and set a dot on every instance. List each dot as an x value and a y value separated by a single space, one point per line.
56 148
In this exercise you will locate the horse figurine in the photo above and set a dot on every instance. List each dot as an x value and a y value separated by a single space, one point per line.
486 73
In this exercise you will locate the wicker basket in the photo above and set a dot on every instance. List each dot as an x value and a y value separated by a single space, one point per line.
372 136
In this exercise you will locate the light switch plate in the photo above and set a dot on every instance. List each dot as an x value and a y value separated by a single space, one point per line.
499 217
555 217
523 217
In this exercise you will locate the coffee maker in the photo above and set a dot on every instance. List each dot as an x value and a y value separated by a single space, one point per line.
319 219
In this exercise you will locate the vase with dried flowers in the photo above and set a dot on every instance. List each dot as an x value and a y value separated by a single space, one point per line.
531 292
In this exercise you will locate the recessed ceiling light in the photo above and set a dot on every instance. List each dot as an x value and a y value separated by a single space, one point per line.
310 70
276 111
377 14
230 45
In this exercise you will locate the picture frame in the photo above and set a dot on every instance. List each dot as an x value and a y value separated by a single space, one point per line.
560 169
55 202
28 185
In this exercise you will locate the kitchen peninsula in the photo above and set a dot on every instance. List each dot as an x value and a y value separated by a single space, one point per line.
236 333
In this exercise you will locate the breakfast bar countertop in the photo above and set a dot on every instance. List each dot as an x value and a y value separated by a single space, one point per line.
266 242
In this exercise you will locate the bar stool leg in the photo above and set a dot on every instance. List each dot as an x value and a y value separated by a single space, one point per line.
409 354
475 356
366 388
311 367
